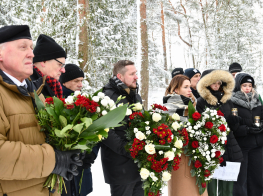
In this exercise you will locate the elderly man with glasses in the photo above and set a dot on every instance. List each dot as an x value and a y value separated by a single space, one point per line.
49 60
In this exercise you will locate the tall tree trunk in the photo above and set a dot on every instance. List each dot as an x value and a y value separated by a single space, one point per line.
164 43
83 35
144 53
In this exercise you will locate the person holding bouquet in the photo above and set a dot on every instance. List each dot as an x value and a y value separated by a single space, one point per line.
248 135
215 88
119 169
26 160
176 99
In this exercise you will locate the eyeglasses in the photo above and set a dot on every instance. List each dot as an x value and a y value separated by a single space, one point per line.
63 65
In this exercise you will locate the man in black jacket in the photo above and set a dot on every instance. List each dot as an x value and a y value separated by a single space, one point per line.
119 169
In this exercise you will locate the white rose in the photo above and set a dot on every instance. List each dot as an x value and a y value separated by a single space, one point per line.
104 112
98 109
101 95
169 155
140 136
144 173
107 98
76 93
96 98
137 106
148 132
160 152
156 117
135 130
104 102
178 144
147 122
69 100
150 149
128 112
175 116
166 176
175 126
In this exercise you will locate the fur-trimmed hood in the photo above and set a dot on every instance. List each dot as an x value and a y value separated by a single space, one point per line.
210 78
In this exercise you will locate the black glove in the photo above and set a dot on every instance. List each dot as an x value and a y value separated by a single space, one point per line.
254 130
67 163
223 164
233 122
88 160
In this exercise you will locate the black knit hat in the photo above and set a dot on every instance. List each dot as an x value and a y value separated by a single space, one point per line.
47 49
235 67
14 32
177 71
247 79
72 72
190 72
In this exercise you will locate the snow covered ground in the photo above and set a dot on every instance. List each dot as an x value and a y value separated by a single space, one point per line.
99 185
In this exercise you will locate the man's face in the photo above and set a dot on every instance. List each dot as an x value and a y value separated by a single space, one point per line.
53 68
194 80
234 74
16 58
74 85
129 77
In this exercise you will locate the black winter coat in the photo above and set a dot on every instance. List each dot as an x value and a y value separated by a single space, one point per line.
118 166
47 91
220 100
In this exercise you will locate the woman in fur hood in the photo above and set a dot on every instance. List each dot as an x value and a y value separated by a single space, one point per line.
176 99
215 88
249 136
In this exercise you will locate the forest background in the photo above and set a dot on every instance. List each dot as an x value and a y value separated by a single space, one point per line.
158 35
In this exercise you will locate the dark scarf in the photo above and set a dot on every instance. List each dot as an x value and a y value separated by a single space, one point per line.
120 87
218 94
195 93
66 92
250 102
52 83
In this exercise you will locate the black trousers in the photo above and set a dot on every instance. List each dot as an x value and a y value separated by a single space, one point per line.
134 189
249 182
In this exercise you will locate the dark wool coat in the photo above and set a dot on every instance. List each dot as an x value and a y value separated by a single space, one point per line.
118 166
244 139
220 100
47 91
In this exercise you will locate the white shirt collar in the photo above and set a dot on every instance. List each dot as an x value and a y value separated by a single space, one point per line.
16 81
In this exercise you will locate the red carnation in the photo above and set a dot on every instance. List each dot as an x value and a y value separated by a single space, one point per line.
195 144
226 142
213 139
70 106
222 128
209 125
218 153
198 164
219 113
207 173
203 184
221 159
49 100
196 116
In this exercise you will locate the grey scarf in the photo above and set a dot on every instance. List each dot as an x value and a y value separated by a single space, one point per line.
248 101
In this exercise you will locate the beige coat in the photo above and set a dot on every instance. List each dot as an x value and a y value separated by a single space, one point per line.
181 183
25 159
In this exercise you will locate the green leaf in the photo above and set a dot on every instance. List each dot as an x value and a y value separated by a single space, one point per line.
65 129
86 121
191 120
94 117
81 147
39 103
97 92
103 133
78 127
51 112
161 147
58 133
63 121
111 119
59 105
191 109
68 145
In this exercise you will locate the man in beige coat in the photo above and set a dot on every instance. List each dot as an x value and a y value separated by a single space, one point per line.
25 159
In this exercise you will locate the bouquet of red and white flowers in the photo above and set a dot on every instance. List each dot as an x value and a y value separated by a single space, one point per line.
78 122
207 138
155 143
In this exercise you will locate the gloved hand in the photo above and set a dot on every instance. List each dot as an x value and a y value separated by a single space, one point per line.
233 122
88 160
254 130
67 163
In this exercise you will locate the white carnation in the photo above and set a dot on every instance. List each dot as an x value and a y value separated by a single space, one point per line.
150 149
101 95
107 98
96 98
175 126
144 173
147 128
169 155
104 112
137 107
98 109
69 100
76 93
154 178
166 176
140 136
160 152
104 102
147 122
148 132
156 117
